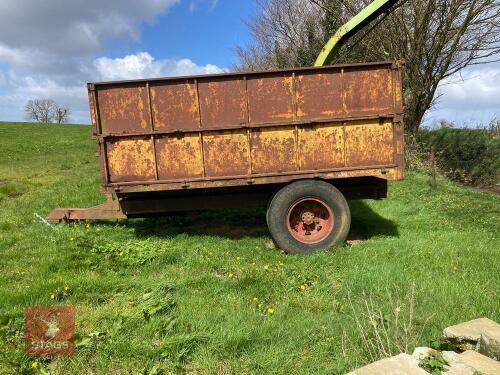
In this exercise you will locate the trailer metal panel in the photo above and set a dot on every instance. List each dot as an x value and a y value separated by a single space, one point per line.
249 128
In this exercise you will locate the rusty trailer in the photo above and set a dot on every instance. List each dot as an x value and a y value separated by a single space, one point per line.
297 141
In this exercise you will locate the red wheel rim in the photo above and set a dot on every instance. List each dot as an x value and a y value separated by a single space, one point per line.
310 220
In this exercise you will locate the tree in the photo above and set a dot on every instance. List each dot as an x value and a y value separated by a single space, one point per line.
437 39
46 111
61 115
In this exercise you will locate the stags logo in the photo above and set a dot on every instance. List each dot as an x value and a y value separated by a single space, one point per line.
50 330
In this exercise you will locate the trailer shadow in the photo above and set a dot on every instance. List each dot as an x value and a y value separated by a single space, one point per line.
236 224
367 223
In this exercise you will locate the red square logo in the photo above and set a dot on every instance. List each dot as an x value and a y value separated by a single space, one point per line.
49 330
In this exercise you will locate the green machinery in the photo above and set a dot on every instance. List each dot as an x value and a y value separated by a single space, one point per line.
358 22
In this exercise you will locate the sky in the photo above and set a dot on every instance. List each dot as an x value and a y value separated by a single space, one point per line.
52 48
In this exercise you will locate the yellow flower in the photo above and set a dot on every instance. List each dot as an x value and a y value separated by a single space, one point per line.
266 267
238 258
270 310
230 275
66 288
71 239
302 287
254 299
34 365
52 296
259 305
98 230
121 253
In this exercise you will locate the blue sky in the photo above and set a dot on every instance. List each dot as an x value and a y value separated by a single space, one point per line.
51 48
205 31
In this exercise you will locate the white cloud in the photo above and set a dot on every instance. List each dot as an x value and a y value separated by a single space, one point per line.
48 49
471 97
74 27
195 5
74 93
143 65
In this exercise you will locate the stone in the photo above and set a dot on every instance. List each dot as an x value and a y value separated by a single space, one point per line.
489 345
423 352
481 363
397 365
465 336
455 366
459 369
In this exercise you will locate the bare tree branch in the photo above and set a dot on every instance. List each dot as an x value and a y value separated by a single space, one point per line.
46 111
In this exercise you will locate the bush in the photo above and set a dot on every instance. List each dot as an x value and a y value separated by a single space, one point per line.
470 156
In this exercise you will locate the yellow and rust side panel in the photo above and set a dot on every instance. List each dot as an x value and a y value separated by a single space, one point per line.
270 99
321 146
273 150
368 91
369 143
226 153
319 95
179 157
124 109
175 106
130 159
223 103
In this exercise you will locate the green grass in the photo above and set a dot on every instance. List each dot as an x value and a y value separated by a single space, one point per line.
177 293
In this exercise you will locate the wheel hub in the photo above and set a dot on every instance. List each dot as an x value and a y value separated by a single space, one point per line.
308 217
310 220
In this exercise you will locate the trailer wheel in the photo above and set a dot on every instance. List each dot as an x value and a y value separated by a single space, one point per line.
308 216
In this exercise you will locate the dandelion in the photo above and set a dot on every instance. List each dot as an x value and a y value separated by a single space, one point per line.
266 267
230 275
121 253
34 364
259 306
71 239
98 230
270 310
52 296
66 288
255 299
302 287
238 258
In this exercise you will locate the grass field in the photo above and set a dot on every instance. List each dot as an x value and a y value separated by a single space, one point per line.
207 293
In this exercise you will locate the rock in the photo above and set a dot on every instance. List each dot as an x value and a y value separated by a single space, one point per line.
455 365
270 245
423 352
459 369
481 363
397 365
465 336
489 345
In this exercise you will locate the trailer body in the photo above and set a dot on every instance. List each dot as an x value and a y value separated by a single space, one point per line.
249 128
235 139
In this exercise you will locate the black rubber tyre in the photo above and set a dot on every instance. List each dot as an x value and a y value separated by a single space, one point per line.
284 199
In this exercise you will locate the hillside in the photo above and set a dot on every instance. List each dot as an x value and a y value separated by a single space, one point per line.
209 292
